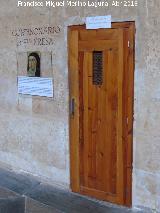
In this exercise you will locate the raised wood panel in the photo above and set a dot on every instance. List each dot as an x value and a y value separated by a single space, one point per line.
74 120
98 46
120 146
100 35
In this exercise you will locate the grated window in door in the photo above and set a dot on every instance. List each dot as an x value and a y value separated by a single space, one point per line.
97 67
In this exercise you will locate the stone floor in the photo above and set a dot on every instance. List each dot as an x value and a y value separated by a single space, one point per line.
24 194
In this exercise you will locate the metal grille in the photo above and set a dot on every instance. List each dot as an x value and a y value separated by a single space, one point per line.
97 67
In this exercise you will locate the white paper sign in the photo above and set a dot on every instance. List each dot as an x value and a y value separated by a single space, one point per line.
35 86
97 22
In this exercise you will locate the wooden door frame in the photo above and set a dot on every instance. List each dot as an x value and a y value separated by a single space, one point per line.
74 118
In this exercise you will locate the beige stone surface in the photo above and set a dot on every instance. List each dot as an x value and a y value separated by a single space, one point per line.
34 131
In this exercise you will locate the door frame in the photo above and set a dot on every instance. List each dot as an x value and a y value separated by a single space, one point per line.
75 110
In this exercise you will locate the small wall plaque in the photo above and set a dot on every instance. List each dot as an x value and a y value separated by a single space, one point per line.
35 86
97 22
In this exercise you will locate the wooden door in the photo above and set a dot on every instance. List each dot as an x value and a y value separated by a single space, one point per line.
101 107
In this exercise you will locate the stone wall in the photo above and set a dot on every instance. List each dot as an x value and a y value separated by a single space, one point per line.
34 131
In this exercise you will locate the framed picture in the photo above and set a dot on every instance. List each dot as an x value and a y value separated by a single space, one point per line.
33 66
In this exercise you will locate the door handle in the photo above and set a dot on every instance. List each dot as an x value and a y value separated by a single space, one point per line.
72 107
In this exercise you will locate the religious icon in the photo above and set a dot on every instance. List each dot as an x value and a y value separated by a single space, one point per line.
33 68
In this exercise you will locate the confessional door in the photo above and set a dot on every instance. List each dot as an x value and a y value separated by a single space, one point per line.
101 108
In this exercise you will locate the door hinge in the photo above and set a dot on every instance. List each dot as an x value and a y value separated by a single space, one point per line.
127 191
128 43
127 120
72 107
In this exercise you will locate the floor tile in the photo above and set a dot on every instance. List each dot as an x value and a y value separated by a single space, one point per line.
69 202
17 182
44 198
33 206
12 205
6 193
